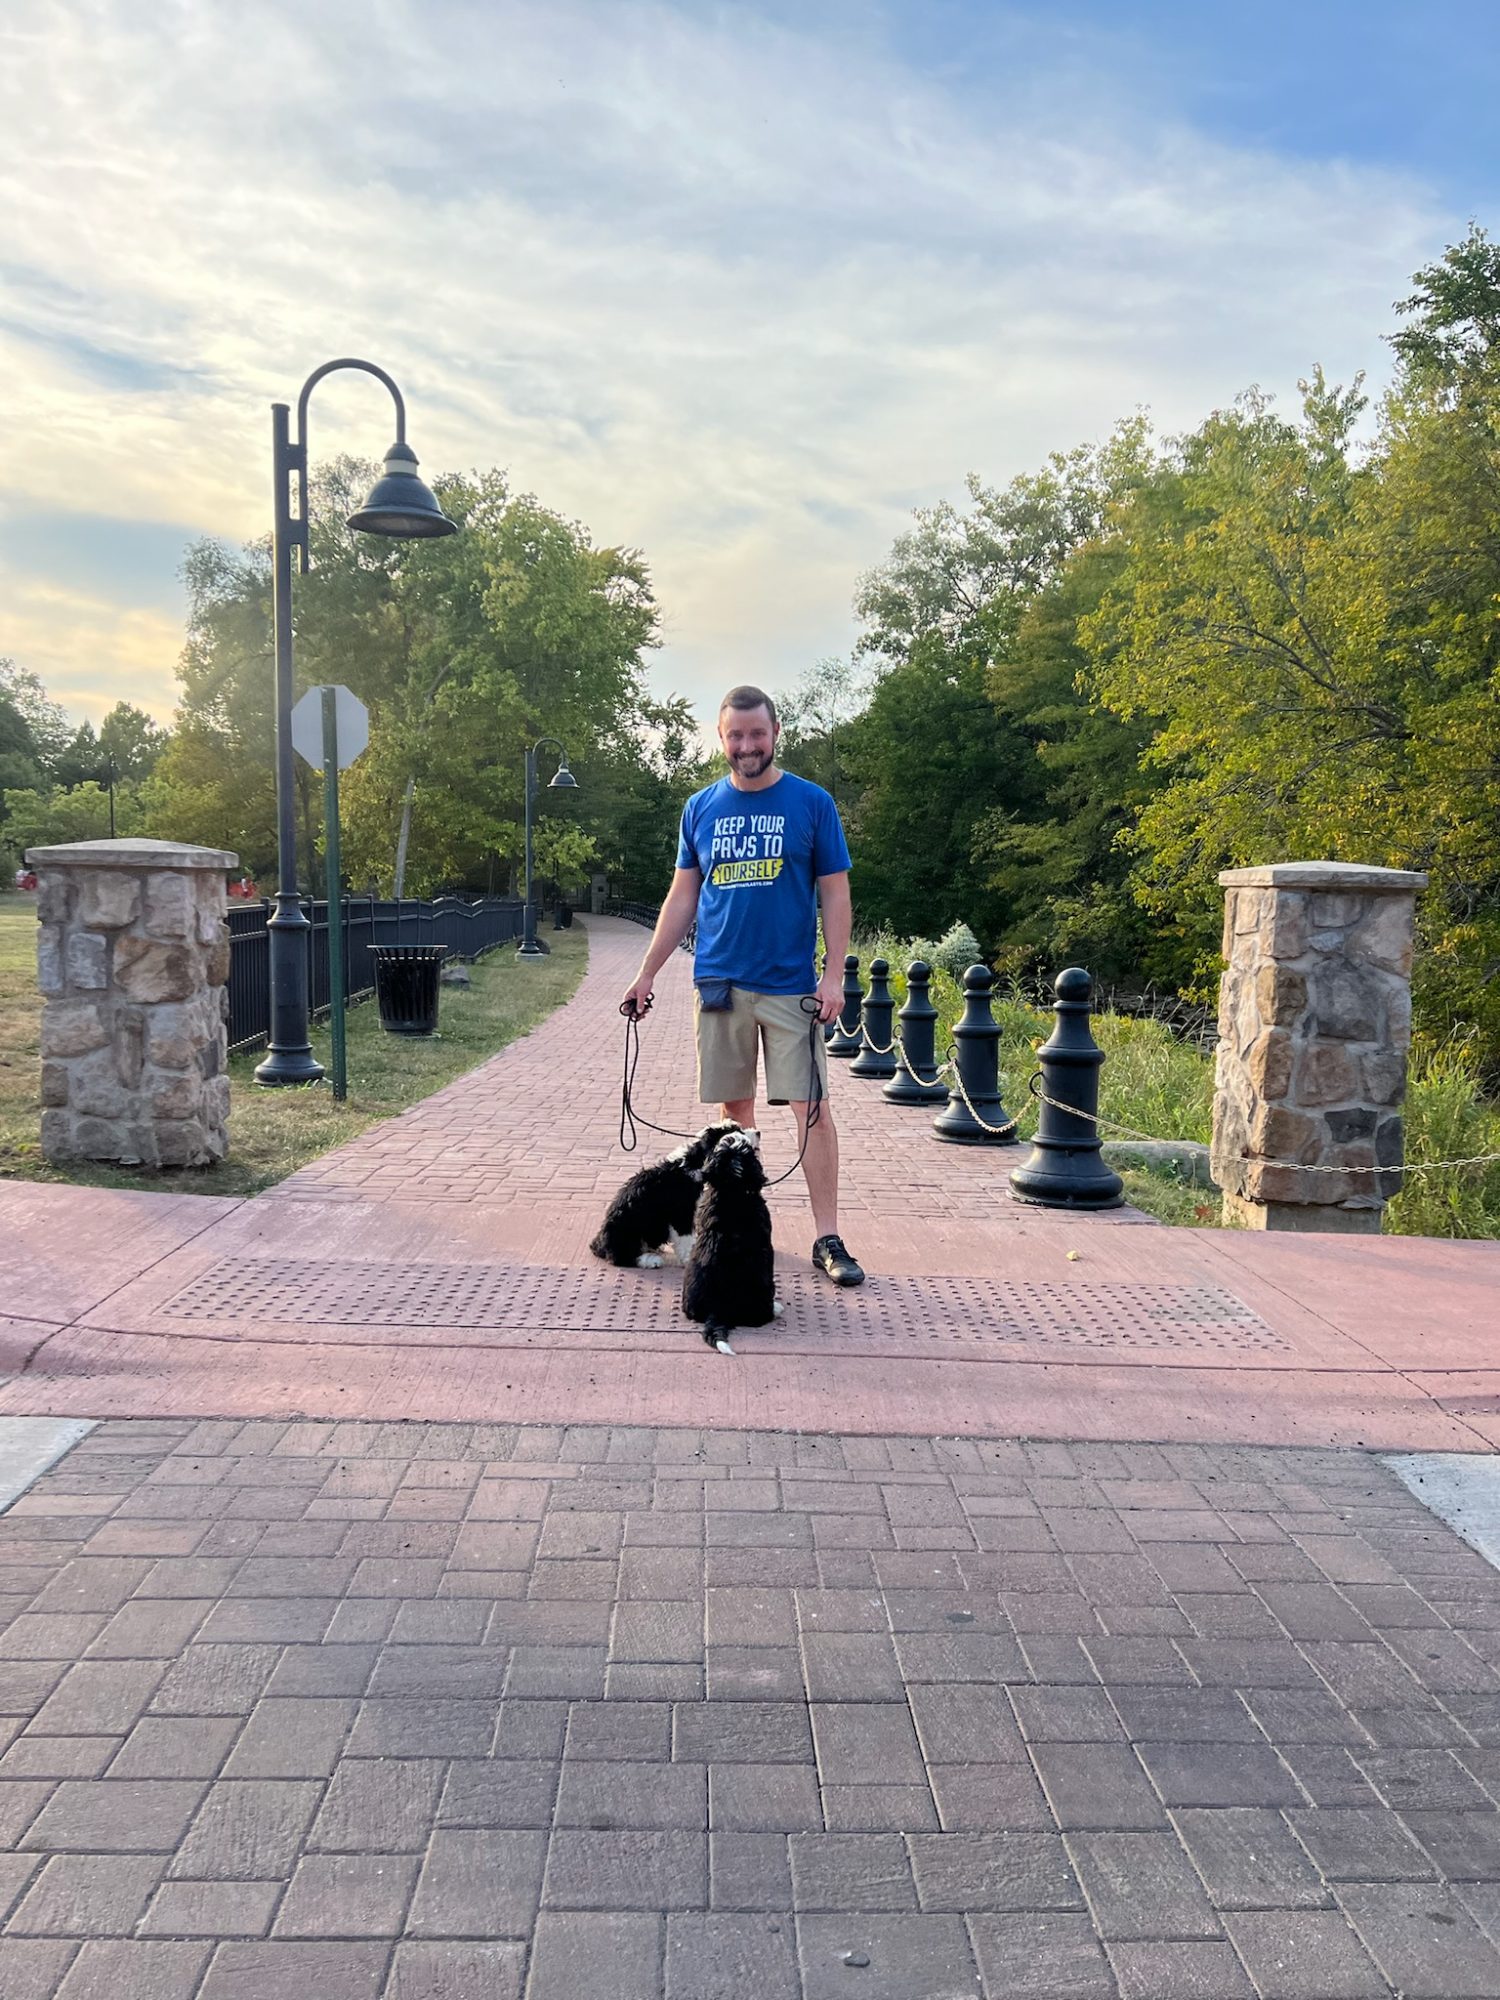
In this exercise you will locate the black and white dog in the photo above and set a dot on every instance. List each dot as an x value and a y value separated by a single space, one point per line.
731 1278
655 1206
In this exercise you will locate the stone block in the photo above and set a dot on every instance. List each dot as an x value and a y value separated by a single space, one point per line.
1345 1128
1281 995
130 1046
87 959
108 898
184 1142
171 907
94 1087
1398 1015
1327 1074
176 1096
149 971
216 961
1269 1063
1326 942
102 1139
216 1100
1346 1004
1383 936
57 1135
1279 1133
51 976
1283 931
1383 1076
1336 909
74 1027
1247 1021
1245 908
55 896
173 1035
54 1083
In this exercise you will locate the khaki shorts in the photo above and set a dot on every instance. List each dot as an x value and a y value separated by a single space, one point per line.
728 1042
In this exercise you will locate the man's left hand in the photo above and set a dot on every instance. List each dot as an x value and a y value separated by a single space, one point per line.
830 996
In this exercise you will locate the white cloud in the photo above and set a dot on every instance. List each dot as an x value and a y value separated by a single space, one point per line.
735 293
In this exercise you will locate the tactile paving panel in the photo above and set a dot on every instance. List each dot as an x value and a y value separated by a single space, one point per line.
538 1298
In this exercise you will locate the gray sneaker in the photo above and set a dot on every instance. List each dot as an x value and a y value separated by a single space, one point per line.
830 1255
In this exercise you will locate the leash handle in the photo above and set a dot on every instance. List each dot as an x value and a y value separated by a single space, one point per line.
630 1118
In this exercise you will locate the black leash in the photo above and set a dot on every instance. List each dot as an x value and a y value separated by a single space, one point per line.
630 1118
815 1087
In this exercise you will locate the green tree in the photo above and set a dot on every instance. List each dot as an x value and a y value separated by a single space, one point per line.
971 702
20 763
47 727
464 650
50 816
815 717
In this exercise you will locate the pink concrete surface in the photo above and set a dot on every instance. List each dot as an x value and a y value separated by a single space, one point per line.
982 1316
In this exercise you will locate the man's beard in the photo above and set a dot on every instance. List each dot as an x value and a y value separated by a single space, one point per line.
751 763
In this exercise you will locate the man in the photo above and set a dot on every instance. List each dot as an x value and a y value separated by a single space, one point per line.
756 853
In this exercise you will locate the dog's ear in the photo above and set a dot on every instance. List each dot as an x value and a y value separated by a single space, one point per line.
753 1135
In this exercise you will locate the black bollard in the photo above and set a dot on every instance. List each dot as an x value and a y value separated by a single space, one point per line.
847 1038
978 1038
878 1018
916 1078
1066 1168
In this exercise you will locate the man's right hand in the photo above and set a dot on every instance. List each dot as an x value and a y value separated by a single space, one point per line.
638 997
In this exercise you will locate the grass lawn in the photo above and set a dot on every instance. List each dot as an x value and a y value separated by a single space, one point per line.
274 1132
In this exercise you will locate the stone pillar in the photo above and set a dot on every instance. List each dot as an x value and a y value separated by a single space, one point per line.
1314 1024
132 960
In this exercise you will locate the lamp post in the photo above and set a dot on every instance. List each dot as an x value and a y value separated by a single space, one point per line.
400 505
564 781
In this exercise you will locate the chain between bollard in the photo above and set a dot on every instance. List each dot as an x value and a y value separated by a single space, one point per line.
950 1062
1287 1166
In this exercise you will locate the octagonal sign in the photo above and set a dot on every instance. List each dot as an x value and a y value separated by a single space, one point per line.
351 719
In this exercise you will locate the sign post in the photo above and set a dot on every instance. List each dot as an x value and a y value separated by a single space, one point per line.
331 727
335 898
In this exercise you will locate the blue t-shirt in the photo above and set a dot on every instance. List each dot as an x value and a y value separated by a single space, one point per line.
760 855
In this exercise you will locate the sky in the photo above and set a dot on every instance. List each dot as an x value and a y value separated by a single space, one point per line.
739 286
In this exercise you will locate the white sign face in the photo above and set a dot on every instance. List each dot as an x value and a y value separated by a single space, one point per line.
351 720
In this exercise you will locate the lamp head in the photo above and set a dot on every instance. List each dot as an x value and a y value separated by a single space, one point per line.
401 504
564 781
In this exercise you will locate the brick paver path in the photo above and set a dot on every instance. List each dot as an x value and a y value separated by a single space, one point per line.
537 1124
317 1711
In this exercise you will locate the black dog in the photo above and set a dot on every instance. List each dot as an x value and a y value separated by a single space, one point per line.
731 1278
655 1206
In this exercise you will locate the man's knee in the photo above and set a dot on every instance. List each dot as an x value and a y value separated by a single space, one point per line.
741 1110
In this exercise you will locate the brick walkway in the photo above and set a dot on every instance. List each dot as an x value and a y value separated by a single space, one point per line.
663 1707
460 1711
437 1268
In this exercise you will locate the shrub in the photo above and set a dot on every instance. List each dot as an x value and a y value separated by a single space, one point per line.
956 951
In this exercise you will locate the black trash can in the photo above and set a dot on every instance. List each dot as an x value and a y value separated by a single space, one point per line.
406 986
562 917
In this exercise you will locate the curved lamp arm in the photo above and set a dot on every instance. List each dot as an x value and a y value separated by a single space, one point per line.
557 744
300 448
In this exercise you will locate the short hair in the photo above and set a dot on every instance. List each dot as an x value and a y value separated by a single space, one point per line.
748 697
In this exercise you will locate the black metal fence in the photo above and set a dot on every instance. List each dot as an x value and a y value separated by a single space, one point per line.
468 929
647 914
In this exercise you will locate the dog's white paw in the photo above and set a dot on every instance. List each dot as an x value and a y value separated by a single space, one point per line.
778 1307
650 1260
681 1245
723 1347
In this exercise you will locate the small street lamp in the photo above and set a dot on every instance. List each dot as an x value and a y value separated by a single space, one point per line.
401 505
563 782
